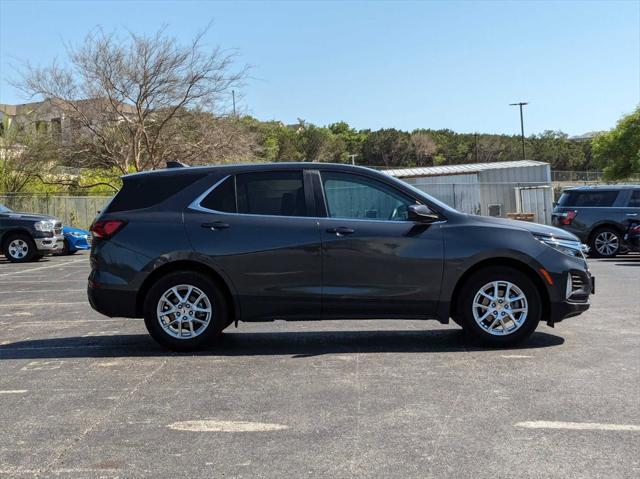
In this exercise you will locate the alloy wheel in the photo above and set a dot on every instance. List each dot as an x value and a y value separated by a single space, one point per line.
500 308
607 243
18 248
184 311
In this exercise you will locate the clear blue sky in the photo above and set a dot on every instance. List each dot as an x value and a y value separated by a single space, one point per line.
406 65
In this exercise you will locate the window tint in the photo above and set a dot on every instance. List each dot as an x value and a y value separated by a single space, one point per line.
588 198
222 197
354 196
634 201
279 193
148 190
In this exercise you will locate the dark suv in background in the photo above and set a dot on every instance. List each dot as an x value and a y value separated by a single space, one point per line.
599 215
193 250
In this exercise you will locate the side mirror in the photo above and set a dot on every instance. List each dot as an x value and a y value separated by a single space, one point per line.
421 214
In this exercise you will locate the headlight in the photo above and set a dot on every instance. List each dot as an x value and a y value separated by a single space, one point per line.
44 226
568 247
78 235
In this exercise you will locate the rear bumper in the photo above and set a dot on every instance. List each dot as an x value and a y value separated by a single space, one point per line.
113 302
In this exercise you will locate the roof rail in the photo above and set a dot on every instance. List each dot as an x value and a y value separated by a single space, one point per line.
176 164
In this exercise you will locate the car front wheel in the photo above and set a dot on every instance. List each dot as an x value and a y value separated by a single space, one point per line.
19 248
185 311
499 306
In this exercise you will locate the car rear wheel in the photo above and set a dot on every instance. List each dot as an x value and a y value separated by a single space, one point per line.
185 311
19 248
605 243
499 306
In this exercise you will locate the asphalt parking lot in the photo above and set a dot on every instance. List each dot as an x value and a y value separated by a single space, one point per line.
83 396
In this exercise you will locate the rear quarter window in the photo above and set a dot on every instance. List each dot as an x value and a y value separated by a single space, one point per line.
588 198
149 190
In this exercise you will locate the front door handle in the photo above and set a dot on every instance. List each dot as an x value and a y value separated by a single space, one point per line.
632 214
216 225
341 231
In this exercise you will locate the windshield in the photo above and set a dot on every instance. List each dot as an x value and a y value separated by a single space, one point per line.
4 209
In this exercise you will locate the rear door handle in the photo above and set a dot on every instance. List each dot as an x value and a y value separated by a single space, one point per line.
632 214
216 225
341 231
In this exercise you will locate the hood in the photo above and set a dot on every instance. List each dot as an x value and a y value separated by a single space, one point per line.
71 229
534 228
15 215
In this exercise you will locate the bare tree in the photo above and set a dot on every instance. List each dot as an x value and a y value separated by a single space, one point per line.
129 97
25 152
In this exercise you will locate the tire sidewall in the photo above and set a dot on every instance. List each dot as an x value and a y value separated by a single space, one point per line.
592 243
31 253
209 287
481 278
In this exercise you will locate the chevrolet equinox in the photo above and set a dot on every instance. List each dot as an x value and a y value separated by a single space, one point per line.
194 249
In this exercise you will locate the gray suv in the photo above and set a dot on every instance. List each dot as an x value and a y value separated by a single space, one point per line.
193 250
598 215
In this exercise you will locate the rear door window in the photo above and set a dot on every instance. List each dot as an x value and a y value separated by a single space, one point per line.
276 193
588 198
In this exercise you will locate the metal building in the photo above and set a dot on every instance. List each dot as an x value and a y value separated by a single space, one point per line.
491 189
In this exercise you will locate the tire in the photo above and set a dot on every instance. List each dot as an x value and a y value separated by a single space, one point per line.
605 242
175 333
66 249
19 248
520 317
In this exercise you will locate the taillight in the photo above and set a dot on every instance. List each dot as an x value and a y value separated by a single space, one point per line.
105 229
635 229
567 217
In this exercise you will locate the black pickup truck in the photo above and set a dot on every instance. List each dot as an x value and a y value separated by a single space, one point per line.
28 237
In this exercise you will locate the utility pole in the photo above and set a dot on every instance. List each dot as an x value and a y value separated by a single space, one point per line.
475 145
521 104
353 158
233 95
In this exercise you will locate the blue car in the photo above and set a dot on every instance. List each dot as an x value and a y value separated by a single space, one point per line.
75 239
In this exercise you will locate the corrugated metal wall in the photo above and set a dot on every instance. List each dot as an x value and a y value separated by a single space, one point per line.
462 192
537 200
475 193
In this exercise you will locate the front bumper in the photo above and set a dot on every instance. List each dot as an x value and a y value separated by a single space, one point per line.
566 309
48 245
579 286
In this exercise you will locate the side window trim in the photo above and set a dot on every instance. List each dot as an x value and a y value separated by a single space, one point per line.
195 204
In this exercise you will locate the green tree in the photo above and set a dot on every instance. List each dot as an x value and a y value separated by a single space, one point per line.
617 151
389 148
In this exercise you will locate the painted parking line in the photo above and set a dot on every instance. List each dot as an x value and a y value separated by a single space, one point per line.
48 303
225 426
48 291
40 268
13 391
28 281
65 321
578 426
